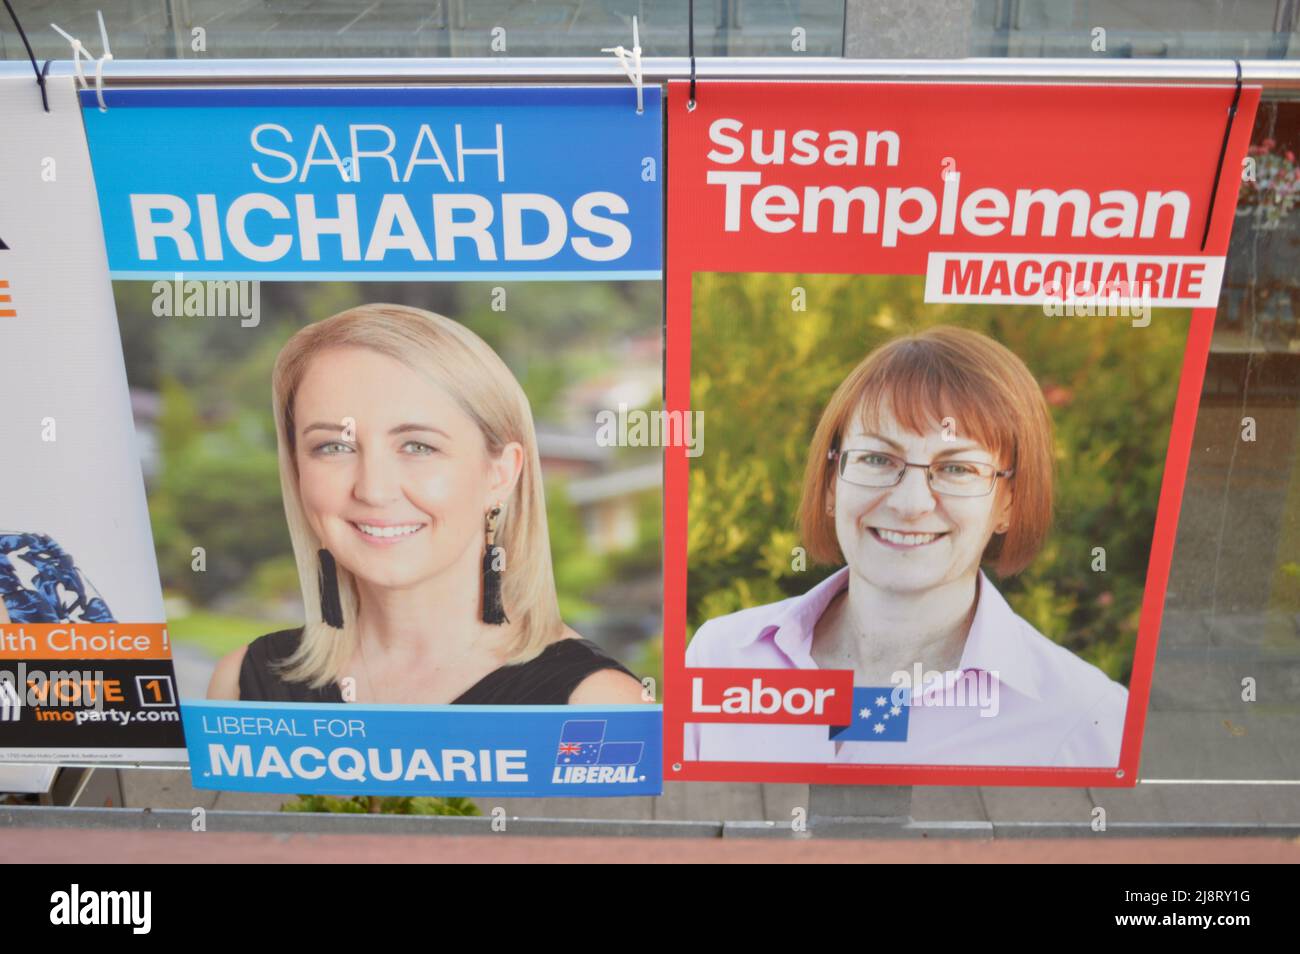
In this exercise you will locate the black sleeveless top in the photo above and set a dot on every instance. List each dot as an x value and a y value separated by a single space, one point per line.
546 680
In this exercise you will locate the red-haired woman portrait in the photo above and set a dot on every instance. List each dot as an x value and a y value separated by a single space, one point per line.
931 468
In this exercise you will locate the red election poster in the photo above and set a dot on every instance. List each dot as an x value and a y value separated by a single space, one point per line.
938 351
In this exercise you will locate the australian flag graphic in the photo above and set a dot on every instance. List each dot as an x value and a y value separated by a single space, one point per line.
582 742
875 717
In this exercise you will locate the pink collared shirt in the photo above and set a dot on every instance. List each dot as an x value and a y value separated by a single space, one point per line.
1053 708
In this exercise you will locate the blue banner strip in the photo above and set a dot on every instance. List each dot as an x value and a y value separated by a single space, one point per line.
435 183
347 749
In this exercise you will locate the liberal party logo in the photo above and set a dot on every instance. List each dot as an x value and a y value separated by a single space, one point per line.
584 755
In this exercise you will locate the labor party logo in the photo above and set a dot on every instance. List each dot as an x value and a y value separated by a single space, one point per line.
879 715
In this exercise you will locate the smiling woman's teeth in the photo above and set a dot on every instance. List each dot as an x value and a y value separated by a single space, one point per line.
907 539
387 531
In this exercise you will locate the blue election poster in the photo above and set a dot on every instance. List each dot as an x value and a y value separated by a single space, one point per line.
377 341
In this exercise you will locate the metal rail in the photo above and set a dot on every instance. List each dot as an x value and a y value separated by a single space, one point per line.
1273 74
176 819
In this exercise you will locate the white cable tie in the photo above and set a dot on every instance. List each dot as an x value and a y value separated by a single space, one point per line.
79 50
103 34
630 60
99 80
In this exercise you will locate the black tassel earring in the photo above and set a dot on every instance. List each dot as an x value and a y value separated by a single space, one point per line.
493 611
331 608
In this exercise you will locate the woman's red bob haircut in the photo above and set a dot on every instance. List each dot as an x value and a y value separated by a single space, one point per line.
987 394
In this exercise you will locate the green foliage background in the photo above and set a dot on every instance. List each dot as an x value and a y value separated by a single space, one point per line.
762 373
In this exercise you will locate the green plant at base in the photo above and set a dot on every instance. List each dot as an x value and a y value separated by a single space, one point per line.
382 805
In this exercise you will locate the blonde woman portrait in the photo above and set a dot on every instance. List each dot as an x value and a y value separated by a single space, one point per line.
413 492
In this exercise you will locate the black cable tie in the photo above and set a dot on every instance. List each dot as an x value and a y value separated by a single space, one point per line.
1223 151
45 71
40 76
690 14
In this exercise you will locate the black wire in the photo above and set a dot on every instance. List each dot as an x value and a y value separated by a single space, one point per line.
40 77
1223 151
690 15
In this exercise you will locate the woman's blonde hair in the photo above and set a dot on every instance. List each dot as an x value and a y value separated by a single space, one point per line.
944 372
462 364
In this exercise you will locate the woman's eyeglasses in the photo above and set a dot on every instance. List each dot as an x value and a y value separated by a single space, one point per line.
952 478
